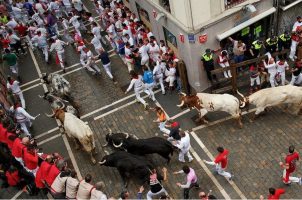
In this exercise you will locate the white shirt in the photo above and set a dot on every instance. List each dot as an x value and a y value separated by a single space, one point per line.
58 184
157 69
143 50
13 38
137 83
71 187
96 31
96 194
42 30
96 43
77 5
11 24
154 52
170 72
37 19
66 3
40 40
39 8
271 68
21 115
58 46
74 21
53 6
281 68
128 52
14 87
184 143
296 24
164 49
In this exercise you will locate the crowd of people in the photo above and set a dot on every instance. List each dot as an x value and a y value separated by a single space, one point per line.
148 61
274 68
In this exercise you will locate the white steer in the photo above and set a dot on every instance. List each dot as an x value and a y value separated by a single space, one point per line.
289 95
205 102
78 130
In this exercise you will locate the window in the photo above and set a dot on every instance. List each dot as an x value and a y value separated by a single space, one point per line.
286 2
231 3
170 38
165 4
142 12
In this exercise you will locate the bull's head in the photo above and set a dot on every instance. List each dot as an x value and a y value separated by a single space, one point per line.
58 113
190 101
245 100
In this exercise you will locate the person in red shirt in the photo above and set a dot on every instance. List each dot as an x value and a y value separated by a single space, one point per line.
17 149
30 158
274 194
52 174
3 134
290 166
43 171
221 162
13 178
4 42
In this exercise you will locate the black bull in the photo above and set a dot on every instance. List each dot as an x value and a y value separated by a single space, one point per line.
141 146
129 165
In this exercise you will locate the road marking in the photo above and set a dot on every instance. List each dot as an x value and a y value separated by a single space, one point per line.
206 169
121 107
47 132
180 114
49 139
205 149
17 195
220 120
30 82
70 153
31 87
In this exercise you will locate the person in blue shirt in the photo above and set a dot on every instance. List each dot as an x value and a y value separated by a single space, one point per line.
106 63
149 82
29 8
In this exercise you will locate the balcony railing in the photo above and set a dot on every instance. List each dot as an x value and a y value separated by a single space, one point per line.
286 2
231 3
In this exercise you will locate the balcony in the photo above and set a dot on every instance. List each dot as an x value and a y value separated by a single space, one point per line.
231 3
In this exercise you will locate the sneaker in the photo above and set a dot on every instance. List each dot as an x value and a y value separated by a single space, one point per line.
163 93
190 160
182 161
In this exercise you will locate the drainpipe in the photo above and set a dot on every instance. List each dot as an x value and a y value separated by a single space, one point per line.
192 23
276 17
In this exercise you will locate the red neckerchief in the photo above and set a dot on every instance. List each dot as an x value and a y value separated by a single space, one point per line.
11 81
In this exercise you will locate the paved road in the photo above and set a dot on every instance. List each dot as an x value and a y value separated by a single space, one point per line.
255 149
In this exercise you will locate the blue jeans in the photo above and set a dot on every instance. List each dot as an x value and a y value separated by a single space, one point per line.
239 59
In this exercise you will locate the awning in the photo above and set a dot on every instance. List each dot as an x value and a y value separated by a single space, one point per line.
284 8
245 24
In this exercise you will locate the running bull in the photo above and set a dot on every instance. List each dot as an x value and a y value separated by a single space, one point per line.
128 165
289 95
78 130
205 102
141 146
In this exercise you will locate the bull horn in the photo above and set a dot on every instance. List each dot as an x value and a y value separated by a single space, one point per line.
50 115
105 145
240 94
181 104
63 105
110 131
135 137
117 146
41 96
126 134
242 104
102 162
184 94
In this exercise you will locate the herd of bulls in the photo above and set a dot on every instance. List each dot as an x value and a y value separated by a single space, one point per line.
130 158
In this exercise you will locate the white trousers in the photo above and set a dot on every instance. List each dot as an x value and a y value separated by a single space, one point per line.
14 68
151 194
183 153
293 49
21 97
61 58
253 80
149 90
161 82
226 74
24 126
221 172
129 64
170 80
45 53
138 96
107 68
272 78
282 74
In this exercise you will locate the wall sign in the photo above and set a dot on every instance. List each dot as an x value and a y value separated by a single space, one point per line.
203 38
191 38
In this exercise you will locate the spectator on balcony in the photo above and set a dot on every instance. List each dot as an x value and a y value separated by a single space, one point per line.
208 64
238 50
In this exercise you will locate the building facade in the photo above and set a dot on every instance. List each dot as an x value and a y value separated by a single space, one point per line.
191 26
